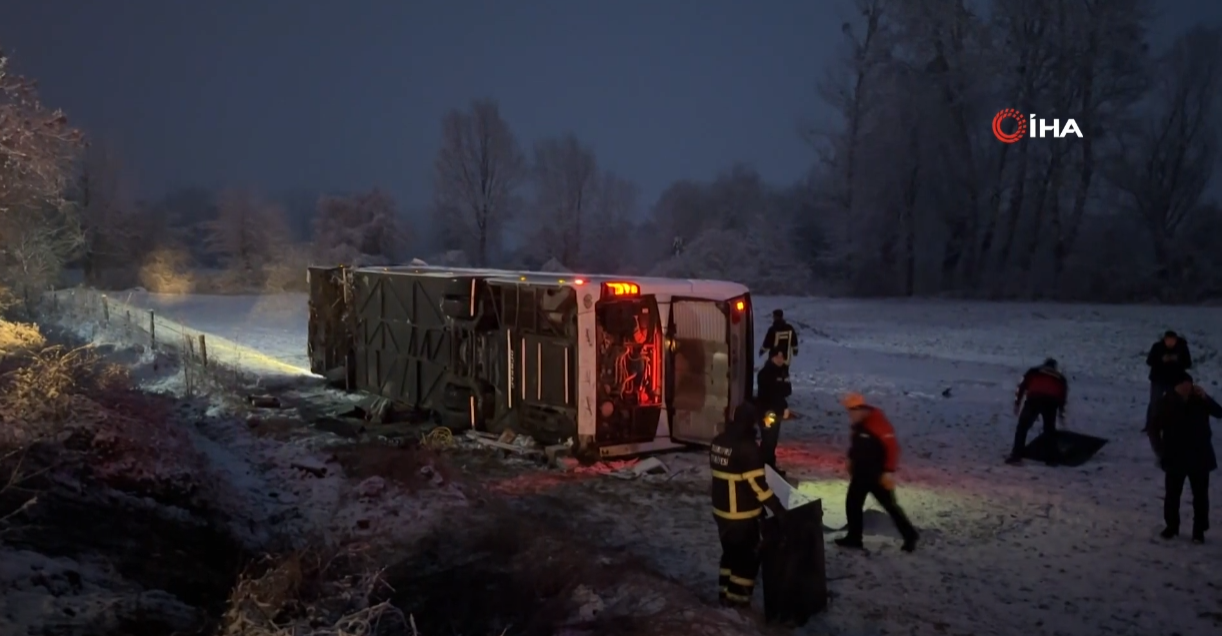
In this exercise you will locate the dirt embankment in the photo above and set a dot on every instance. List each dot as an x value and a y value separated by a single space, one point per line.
109 524
125 512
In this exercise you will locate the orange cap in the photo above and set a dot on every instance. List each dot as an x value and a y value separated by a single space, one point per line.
853 401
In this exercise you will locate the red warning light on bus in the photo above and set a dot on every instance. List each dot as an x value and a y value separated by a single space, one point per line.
622 289
740 305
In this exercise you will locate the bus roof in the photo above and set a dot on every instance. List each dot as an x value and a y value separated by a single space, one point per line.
696 287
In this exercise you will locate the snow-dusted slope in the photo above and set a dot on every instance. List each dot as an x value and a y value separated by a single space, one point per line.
275 324
1007 550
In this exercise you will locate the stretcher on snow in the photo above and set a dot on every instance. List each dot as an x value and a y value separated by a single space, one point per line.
1074 449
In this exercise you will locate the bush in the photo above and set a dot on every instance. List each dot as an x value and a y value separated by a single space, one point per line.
314 592
288 273
49 385
19 338
167 271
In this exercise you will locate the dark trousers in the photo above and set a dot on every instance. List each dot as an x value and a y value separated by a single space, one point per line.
1036 408
740 561
769 437
1174 487
1157 391
855 502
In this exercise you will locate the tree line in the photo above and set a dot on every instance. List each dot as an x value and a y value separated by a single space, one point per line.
66 200
909 193
921 198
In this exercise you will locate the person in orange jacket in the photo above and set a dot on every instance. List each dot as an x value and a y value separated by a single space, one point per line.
873 458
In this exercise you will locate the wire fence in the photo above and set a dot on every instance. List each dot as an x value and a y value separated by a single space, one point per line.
101 317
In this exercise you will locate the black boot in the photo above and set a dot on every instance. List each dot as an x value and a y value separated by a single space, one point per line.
1198 536
849 542
910 543
1169 533
1014 460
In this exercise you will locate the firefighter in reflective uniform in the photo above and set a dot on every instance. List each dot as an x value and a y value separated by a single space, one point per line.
772 391
1046 391
740 493
781 335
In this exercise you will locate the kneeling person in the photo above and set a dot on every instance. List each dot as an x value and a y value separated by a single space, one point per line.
1046 392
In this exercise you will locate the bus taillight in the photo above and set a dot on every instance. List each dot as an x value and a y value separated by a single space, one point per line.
738 308
622 289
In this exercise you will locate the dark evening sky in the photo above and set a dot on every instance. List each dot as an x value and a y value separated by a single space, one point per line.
321 94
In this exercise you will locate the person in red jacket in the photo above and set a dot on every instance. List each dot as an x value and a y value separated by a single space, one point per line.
873 458
1045 391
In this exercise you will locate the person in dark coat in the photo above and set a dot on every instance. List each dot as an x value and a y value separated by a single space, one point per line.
1045 391
1182 440
873 458
1168 358
740 493
781 335
772 393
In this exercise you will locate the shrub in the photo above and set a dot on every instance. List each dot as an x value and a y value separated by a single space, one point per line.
313 592
47 386
19 338
167 271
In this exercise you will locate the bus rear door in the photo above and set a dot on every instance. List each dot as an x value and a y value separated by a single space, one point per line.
710 342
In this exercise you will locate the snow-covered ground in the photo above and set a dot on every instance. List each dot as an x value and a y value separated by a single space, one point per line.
276 325
1006 550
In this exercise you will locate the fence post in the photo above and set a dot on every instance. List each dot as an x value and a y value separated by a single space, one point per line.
203 350
105 310
152 330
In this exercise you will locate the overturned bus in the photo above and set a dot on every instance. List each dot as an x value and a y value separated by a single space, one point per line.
620 366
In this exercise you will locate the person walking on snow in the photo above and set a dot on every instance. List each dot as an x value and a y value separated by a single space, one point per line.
771 397
740 493
1168 358
781 335
1182 440
1046 392
873 458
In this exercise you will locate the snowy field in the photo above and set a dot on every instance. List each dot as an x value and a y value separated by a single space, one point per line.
1005 550
276 325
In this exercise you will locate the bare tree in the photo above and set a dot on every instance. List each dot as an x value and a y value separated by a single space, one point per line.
37 242
37 146
359 229
109 218
846 87
478 170
1109 79
39 231
1167 164
566 180
614 208
246 235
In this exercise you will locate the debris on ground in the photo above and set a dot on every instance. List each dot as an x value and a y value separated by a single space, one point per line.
520 444
313 470
439 438
344 427
432 475
264 401
371 487
647 466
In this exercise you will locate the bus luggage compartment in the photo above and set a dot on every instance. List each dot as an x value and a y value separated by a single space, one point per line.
404 345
